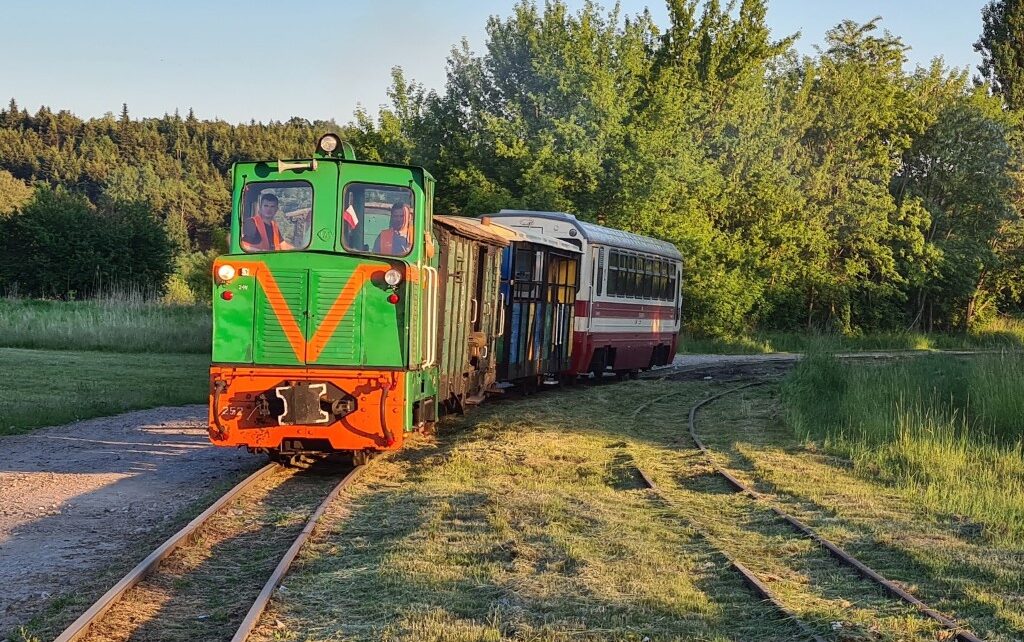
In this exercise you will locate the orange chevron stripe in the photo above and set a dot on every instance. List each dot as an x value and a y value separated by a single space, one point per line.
306 352
337 312
295 335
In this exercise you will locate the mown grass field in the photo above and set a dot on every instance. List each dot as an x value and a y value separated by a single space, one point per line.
70 360
51 387
527 521
999 334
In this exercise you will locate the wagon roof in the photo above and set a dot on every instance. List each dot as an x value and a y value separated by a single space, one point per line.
472 228
599 234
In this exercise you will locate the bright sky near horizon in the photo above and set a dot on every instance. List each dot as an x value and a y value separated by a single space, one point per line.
264 61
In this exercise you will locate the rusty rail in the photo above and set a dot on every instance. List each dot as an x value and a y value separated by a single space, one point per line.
752 580
80 627
253 616
959 632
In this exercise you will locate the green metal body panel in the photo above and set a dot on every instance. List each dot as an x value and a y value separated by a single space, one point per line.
326 306
371 333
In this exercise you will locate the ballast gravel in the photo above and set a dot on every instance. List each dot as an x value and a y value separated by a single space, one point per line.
75 499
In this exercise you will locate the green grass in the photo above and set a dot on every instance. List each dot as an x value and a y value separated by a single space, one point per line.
46 387
942 556
999 334
948 429
527 521
114 324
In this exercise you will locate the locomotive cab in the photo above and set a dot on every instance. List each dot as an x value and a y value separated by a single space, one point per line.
321 332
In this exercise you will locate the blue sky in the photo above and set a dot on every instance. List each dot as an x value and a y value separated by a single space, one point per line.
317 59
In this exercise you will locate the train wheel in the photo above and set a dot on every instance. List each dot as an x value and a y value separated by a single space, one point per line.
361 457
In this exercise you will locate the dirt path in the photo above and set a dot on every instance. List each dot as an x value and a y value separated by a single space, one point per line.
75 498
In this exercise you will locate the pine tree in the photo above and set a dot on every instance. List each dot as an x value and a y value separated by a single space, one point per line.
1002 49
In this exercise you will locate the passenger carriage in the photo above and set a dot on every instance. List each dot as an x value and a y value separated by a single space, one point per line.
627 311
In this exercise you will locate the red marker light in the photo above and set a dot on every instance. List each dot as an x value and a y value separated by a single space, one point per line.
227 295
392 298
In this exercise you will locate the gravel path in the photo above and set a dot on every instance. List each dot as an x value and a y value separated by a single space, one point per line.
74 497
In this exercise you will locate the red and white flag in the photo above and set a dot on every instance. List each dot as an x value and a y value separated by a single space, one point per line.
350 216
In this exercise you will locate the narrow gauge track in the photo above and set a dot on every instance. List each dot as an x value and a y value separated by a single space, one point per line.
843 557
82 627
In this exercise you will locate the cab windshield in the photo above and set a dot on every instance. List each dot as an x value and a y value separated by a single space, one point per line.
378 219
276 216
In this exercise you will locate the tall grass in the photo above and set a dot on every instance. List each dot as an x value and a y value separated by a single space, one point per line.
998 334
947 428
118 322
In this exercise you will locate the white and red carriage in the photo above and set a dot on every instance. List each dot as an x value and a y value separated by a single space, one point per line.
627 315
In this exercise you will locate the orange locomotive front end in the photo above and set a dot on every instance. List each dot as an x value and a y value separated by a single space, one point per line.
288 410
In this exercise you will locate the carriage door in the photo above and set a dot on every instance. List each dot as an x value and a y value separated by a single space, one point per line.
562 281
592 268
488 277
481 316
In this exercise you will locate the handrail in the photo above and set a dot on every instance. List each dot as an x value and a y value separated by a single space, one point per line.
559 313
501 325
433 285
476 309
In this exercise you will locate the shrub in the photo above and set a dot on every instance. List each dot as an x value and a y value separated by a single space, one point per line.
61 245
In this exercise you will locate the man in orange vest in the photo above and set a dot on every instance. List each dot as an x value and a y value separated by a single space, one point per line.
260 233
395 241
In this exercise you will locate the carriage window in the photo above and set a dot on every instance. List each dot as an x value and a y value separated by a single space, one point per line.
378 219
636 276
528 270
276 216
662 279
613 271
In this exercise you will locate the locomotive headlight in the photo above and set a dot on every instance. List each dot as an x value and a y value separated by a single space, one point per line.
225 273
392 277
328 143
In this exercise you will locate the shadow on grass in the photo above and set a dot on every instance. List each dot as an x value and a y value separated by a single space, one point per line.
488 585
947 582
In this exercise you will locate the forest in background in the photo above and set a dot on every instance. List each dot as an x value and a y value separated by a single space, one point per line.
836 192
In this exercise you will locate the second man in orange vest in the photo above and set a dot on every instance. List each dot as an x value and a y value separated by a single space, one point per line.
395 241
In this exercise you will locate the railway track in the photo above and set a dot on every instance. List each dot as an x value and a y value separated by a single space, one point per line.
91 623
949 627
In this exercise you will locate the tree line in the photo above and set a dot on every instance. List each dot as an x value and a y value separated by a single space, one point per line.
835 192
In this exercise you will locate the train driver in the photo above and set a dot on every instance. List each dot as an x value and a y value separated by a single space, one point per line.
261 233
396 239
